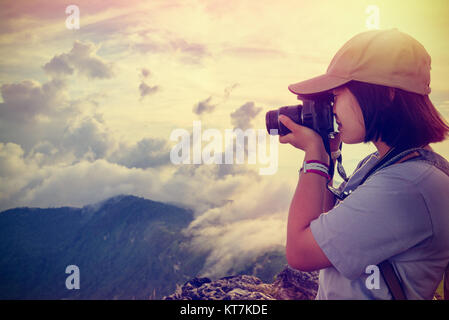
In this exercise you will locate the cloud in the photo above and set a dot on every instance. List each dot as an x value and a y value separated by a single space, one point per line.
145 72
11 160
186 186
42 120
16 173
83 58
145 172
190 52
84 165
47 149
160 42
254 52
59 65
204 106
146 90
62 152
24 100
86 138
243 228
49 127
33 112
241 118
228 90
146 153
79 184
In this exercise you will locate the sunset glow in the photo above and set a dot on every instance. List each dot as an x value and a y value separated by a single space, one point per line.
87 113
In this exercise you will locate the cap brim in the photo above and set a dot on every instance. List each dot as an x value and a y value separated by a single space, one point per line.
318 84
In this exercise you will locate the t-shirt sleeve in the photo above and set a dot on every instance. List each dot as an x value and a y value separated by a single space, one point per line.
381 218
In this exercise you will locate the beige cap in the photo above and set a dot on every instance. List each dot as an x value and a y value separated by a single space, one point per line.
386 57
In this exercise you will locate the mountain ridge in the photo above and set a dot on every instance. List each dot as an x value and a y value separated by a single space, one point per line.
126 247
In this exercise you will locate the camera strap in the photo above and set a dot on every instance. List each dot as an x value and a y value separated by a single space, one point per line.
392 156
340 169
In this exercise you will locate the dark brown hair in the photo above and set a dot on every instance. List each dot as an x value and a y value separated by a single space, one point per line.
407 120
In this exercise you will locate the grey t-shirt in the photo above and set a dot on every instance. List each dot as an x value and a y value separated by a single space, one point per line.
400 213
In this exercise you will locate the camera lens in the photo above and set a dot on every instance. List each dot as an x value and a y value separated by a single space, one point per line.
272 118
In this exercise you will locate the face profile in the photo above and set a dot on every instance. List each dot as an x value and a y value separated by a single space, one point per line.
348 115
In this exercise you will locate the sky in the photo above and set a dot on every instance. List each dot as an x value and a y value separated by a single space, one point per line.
87 113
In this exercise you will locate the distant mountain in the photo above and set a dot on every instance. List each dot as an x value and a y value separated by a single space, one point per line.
125 247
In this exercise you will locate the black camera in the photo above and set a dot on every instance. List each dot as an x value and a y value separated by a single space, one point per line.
315 114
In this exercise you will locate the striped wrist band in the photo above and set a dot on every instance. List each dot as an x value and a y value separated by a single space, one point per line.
317 167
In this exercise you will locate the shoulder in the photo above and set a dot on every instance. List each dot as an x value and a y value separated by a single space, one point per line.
411 173
399 183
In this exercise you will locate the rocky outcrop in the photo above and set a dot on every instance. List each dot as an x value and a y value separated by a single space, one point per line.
289 284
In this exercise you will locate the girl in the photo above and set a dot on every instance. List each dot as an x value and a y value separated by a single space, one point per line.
399 215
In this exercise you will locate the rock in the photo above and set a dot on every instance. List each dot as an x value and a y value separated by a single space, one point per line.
289 284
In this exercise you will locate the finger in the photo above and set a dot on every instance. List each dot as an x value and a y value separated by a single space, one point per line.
286 121
285 139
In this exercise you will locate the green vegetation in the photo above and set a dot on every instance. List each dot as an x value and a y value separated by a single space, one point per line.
125 247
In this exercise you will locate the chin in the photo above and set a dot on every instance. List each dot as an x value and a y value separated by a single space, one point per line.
350 139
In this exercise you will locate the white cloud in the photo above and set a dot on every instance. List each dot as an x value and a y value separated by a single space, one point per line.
86 182
83 58
24 100
161 41
86 136
254 222
33 112
16 173
146 153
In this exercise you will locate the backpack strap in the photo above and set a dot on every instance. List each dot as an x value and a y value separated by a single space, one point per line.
395 155
446 283
392 280
386 268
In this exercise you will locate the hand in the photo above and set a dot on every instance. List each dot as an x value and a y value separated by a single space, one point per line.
300 137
